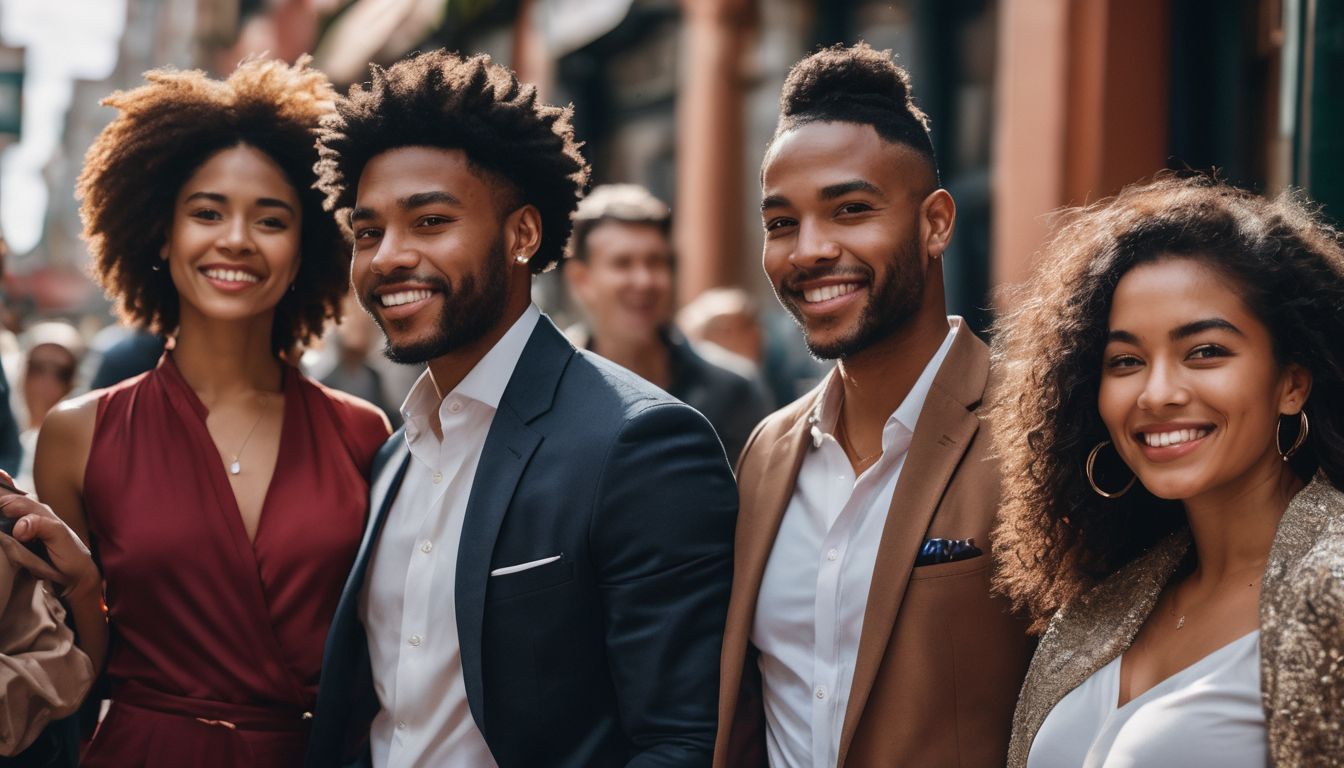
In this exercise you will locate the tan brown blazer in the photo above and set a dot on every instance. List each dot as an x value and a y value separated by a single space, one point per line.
940 661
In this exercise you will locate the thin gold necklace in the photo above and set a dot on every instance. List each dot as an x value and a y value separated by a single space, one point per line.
842 437
236 467
1180 621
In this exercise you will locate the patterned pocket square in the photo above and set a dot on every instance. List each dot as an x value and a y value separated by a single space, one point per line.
935 551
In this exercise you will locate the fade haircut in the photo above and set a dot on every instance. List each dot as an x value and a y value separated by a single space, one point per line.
164 132
440 99
856 84
625 203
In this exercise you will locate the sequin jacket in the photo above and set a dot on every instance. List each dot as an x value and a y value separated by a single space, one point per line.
1301 633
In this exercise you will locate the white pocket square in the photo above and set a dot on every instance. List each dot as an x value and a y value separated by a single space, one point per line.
524 566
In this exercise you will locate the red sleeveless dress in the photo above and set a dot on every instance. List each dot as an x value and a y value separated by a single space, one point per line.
216 642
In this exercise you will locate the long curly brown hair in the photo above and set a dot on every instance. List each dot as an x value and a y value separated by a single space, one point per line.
165 130
1056 537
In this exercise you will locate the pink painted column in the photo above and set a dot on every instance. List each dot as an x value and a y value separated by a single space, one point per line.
710 140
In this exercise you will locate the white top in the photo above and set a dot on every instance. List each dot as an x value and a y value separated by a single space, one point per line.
408 604
809 613
1208 715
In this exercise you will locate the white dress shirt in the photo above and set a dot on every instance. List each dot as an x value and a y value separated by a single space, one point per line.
809 613
408 604
1208 715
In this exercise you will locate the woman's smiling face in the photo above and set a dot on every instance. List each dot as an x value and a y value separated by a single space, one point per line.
1191 391
233 247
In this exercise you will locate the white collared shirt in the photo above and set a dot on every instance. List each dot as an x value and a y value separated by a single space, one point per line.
408 604
810 610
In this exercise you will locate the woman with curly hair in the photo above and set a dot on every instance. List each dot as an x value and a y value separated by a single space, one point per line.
1172 430
223 494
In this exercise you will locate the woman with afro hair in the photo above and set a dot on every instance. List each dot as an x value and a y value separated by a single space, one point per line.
223 494
1171 426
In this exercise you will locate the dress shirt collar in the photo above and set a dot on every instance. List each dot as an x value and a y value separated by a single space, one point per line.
484 383
906 415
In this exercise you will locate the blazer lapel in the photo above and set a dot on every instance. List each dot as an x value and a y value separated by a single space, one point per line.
759 518
1088 634
946 425
389 469
509 445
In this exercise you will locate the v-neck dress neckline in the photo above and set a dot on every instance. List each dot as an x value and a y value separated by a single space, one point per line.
220 478
1207 715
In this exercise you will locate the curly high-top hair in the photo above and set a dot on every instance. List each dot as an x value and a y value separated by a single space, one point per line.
855 84
440 99
1056 537
166 130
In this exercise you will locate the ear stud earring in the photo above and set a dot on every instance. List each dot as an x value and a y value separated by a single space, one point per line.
520 258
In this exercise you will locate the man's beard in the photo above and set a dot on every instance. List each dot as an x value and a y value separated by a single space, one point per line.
890 305
466 313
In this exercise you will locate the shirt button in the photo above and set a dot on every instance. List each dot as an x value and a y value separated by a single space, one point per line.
821 692
454 407
414 641
401 725
438 477
427 546
833 554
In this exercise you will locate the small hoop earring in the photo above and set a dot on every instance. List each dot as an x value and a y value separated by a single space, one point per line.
1301 438
1091 464
157 266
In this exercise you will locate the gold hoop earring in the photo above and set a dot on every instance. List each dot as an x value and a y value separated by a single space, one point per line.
1091 464
1301 438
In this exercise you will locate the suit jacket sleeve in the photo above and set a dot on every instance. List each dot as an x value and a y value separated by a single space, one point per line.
662 535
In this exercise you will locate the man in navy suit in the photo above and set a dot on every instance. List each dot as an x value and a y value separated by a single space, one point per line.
545 574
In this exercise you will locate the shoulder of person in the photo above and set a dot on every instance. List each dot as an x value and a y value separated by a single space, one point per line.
774 425
72 421
1318 577
354 412
626 390
1101 608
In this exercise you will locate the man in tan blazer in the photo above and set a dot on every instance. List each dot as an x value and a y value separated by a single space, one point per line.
861 629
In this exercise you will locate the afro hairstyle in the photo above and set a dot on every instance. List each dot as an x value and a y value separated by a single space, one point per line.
855 84
443 100
164 132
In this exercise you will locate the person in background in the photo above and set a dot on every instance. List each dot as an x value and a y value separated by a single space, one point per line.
55 350
619 269
11 450
862 629
135 351
721 323
343 363
1171 422
223 493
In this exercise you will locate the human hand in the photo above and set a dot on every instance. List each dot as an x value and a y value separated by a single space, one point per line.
71 562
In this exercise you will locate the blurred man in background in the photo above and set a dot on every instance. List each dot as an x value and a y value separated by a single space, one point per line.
620 271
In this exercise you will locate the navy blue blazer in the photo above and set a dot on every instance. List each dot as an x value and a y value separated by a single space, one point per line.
608 656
